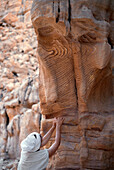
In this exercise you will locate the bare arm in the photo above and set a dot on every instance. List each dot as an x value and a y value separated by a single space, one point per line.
56 144
47 136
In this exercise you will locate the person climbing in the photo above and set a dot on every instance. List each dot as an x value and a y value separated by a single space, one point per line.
32 156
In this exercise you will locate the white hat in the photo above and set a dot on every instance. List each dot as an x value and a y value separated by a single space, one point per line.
31 143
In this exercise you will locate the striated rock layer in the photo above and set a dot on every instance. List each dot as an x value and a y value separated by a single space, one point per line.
74 77
75 47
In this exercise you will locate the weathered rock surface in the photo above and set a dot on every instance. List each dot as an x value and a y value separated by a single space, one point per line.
72 77
75 44
19 98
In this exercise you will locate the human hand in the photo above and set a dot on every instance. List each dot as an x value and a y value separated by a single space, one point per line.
59 122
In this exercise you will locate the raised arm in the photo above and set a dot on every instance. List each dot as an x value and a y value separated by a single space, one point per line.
56 144
47 136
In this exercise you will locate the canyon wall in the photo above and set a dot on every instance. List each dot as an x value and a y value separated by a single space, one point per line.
75 48
19 72
70 76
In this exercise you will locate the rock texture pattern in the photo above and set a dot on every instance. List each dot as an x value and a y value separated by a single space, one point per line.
75 47
71 76
19 72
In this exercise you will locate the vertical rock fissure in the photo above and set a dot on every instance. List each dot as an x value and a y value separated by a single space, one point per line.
58 15
53 6
7 119
109 41
40 119
29 84
69 13
76 92
75 85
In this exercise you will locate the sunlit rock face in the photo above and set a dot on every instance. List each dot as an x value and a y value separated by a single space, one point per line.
75 44
19 100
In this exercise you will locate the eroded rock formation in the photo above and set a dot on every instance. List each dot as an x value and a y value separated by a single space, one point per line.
75 74
19 99
74 77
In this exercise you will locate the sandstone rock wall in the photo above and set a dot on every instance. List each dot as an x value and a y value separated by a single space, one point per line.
19 98
71 77
75 47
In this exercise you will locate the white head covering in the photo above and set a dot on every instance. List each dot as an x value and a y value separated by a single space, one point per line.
31 143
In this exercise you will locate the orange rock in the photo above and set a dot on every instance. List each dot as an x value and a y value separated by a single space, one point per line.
10 18
75 78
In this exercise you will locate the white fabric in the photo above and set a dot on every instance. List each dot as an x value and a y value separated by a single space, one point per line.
33 160
31 143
